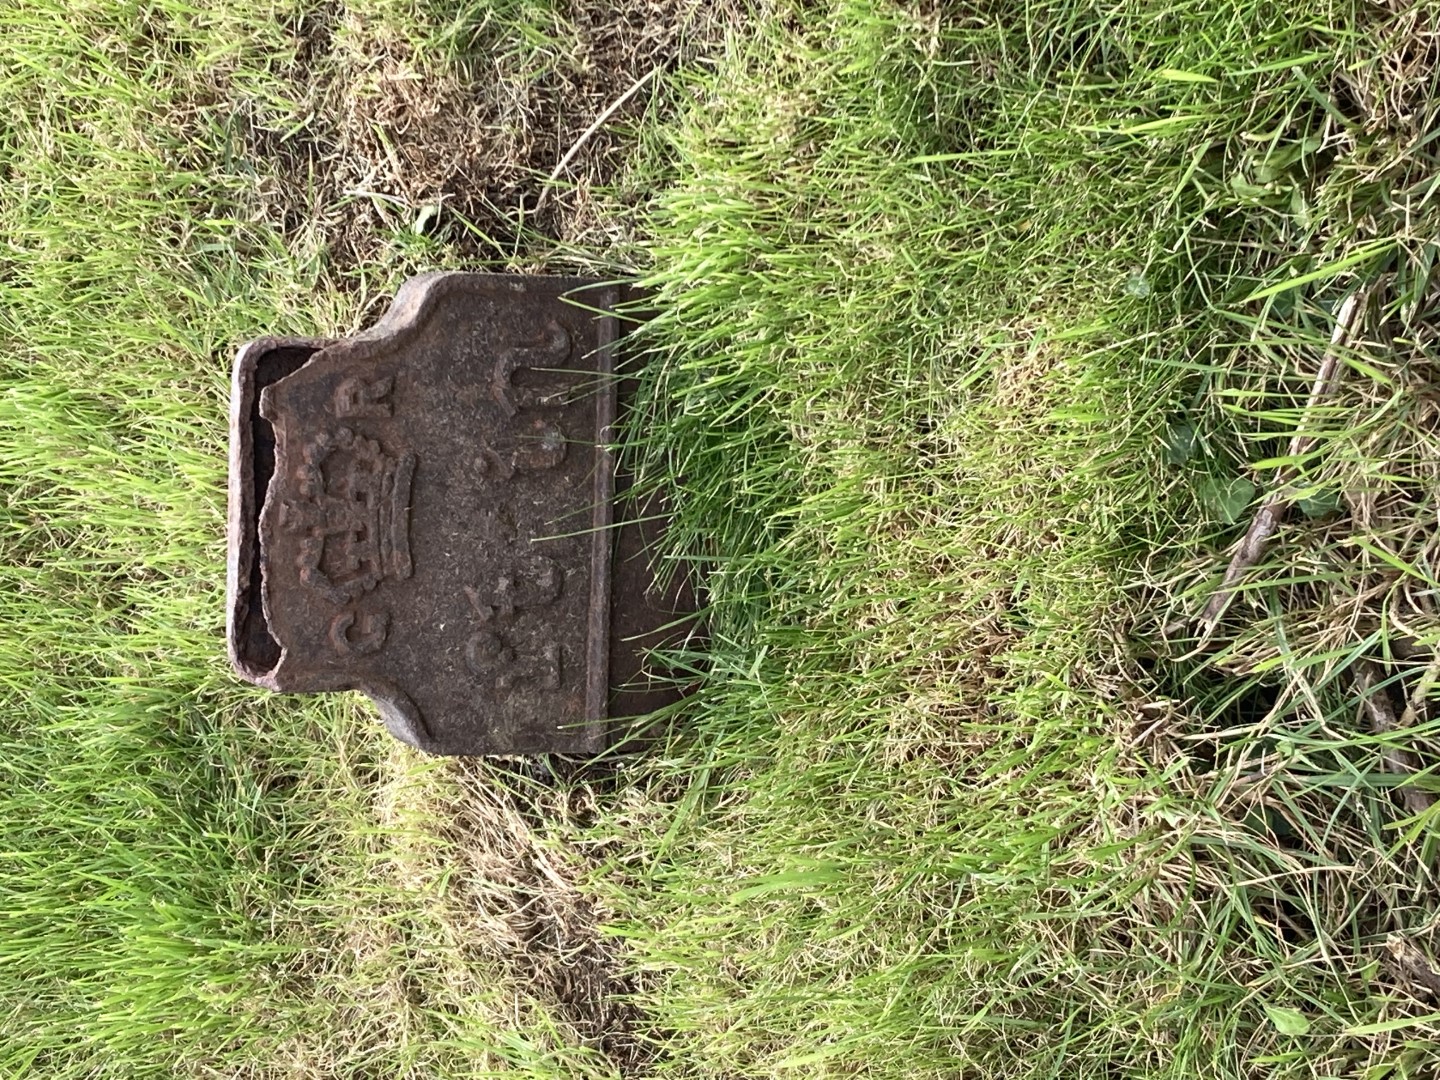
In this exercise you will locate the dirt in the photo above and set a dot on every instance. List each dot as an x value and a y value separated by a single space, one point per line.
517 893
397 150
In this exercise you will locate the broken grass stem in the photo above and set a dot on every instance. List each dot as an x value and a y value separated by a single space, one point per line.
599 122
1381 712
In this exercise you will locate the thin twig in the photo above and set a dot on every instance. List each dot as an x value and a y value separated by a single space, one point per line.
610 110
1381 711
1272 512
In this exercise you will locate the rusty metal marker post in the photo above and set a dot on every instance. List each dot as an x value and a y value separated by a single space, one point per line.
425 512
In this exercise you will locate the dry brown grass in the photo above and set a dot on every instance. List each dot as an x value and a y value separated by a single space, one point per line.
515 897
396 148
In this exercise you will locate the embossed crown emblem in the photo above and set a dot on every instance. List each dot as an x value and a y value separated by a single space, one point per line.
353 513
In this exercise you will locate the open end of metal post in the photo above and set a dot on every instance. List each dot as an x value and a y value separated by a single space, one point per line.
263 363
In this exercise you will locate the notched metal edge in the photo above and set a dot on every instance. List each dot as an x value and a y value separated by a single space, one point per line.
243 567
416 298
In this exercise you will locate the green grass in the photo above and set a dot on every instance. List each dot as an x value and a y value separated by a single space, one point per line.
981 334
967 328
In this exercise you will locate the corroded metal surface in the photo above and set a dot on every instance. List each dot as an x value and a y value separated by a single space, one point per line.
424 512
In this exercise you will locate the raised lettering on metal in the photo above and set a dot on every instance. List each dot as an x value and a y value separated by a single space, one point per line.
424 512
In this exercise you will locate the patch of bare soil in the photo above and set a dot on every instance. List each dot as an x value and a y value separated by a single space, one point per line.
516 895
488 144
